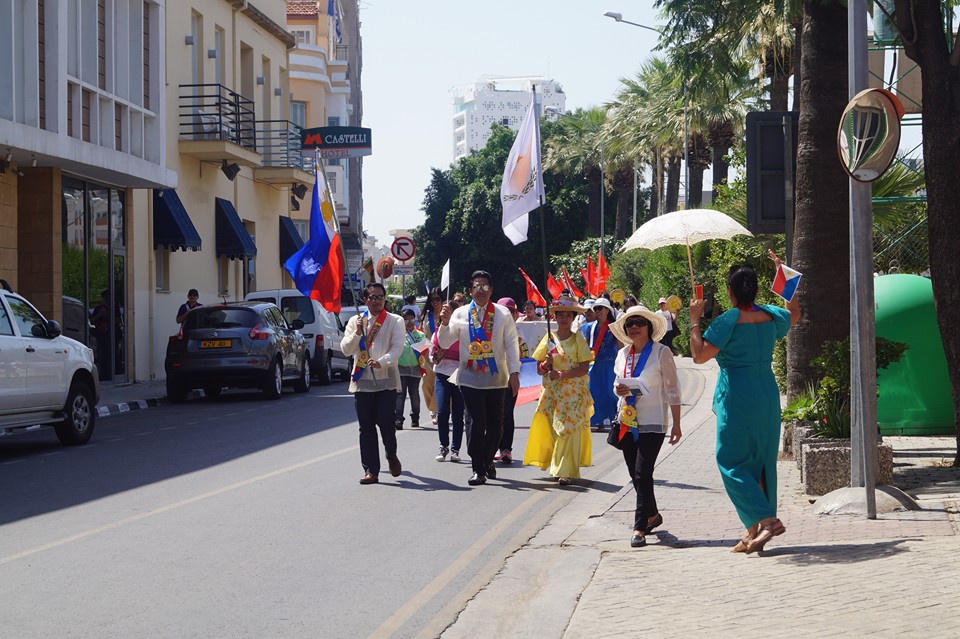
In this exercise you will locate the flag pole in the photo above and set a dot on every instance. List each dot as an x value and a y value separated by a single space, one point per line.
543 232
336 224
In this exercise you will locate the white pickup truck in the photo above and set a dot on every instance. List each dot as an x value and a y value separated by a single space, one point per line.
45 378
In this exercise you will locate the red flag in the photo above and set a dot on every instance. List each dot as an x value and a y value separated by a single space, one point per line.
586 281
569 281
552 286
603 272
592 280
533 293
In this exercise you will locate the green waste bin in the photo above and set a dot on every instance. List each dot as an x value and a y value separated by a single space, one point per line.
915 393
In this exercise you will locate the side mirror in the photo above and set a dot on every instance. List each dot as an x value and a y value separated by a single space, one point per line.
53 329
297 324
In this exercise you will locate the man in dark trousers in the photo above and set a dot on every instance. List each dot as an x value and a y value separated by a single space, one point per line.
489 367
375 341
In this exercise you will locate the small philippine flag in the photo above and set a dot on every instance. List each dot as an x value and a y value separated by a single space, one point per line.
786 281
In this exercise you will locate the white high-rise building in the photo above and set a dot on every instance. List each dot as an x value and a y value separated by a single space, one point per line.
497 100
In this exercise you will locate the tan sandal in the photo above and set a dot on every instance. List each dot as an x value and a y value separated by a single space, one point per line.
743 543
765 534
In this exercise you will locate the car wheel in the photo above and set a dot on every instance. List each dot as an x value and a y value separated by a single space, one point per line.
326 373
80 415
302 385
212 392
348 373
273 384
176 392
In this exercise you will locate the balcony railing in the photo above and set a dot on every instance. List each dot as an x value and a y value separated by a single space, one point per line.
214 112
341 52
279 145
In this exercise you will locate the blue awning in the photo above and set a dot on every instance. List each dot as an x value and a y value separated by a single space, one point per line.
172 227
290 240
233 241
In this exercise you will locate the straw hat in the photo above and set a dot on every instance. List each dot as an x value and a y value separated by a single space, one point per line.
658 322
566 303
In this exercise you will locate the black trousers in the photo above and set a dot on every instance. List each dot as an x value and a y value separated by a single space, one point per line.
373 410
640 457
486 411
509 425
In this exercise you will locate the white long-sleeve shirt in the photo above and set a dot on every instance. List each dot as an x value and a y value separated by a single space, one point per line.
660 376
506 348
386 350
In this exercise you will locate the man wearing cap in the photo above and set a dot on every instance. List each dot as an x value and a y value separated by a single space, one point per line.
409 365
667 314
489 367
375 341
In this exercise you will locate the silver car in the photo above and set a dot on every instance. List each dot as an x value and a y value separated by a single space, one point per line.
240 345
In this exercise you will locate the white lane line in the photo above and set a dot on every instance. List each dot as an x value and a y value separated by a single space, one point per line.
171 506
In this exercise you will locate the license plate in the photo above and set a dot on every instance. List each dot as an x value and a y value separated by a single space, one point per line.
215 343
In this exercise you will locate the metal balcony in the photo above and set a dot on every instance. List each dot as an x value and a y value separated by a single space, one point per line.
282 159
217 124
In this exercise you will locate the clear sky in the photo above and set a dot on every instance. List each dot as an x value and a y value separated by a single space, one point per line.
416 51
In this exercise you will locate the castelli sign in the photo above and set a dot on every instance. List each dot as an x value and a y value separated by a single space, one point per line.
337 141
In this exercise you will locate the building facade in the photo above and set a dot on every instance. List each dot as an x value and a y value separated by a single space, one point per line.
503 101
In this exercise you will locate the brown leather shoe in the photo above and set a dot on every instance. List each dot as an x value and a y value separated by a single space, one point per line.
369 478
395 466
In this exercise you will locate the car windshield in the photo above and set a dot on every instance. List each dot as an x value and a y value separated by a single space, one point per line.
211 317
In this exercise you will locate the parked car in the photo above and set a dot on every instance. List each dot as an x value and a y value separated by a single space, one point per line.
321 328
237 345
45 377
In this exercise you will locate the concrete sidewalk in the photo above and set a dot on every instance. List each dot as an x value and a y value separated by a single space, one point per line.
827 576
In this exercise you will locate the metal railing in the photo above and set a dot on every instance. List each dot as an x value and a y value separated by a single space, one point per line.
279 145
341 52
214 112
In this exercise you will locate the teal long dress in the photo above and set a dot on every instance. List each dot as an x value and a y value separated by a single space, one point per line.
747 405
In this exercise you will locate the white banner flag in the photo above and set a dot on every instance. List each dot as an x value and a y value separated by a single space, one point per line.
445 278
522 187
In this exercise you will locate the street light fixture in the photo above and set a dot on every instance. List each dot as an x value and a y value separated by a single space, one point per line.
552 110
618 17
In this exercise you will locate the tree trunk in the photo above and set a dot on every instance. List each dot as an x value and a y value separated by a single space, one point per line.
656 185
778 73
720 139
721 168
941 157
797 56
593 205
821 239
699 156
623 185
695 190
673 184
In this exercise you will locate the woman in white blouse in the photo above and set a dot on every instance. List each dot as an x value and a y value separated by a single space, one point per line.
649 403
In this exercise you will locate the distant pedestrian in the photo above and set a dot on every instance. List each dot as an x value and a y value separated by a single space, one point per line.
193 301
529 312
646 409
410 301
604 346
409 365
375 340
505 449
450 412
559 437
746 400
489 367
671 319
429 320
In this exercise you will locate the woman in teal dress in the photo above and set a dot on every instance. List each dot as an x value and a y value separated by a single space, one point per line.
746 400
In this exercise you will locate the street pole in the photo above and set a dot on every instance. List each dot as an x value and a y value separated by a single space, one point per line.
634 196
686 149
863 370
603 196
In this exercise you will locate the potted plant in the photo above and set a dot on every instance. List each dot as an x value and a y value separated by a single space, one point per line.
825 455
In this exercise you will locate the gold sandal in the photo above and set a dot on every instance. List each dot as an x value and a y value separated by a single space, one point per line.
765 534
743 543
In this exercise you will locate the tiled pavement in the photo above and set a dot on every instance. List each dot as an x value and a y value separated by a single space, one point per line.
828 576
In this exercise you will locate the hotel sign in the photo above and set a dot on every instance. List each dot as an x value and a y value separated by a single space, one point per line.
337 141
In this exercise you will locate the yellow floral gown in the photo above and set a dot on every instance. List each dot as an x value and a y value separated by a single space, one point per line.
560 433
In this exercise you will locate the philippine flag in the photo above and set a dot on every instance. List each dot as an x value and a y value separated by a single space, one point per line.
317 268
786 281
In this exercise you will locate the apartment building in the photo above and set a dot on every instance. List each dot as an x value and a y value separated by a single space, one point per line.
491 101
325 91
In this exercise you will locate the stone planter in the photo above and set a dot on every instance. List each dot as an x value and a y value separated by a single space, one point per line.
826 465
802 432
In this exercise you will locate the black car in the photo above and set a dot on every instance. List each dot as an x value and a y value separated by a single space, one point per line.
240 345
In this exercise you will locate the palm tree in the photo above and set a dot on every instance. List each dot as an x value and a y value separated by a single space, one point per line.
577 148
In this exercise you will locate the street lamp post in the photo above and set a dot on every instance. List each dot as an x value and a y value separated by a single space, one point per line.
552 110
618 17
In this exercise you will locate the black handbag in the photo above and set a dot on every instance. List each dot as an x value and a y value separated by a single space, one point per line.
613 437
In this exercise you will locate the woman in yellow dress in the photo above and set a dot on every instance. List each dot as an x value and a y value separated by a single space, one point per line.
560 433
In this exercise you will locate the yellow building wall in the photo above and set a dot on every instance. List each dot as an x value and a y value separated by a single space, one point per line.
8 226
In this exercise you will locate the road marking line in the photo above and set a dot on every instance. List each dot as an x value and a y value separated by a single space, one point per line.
171 506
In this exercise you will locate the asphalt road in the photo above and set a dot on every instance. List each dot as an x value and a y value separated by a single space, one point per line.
241 517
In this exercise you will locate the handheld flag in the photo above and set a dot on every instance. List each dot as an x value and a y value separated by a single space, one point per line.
522 187
603 272
552 286
317 268
592 279
785 282
569 282
445 278
533 293
367 270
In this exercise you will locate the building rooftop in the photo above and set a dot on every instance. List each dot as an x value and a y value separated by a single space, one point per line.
303 9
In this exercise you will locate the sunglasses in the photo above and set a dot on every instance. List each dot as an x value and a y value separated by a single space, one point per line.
434 300
376 298
637 323
481 287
